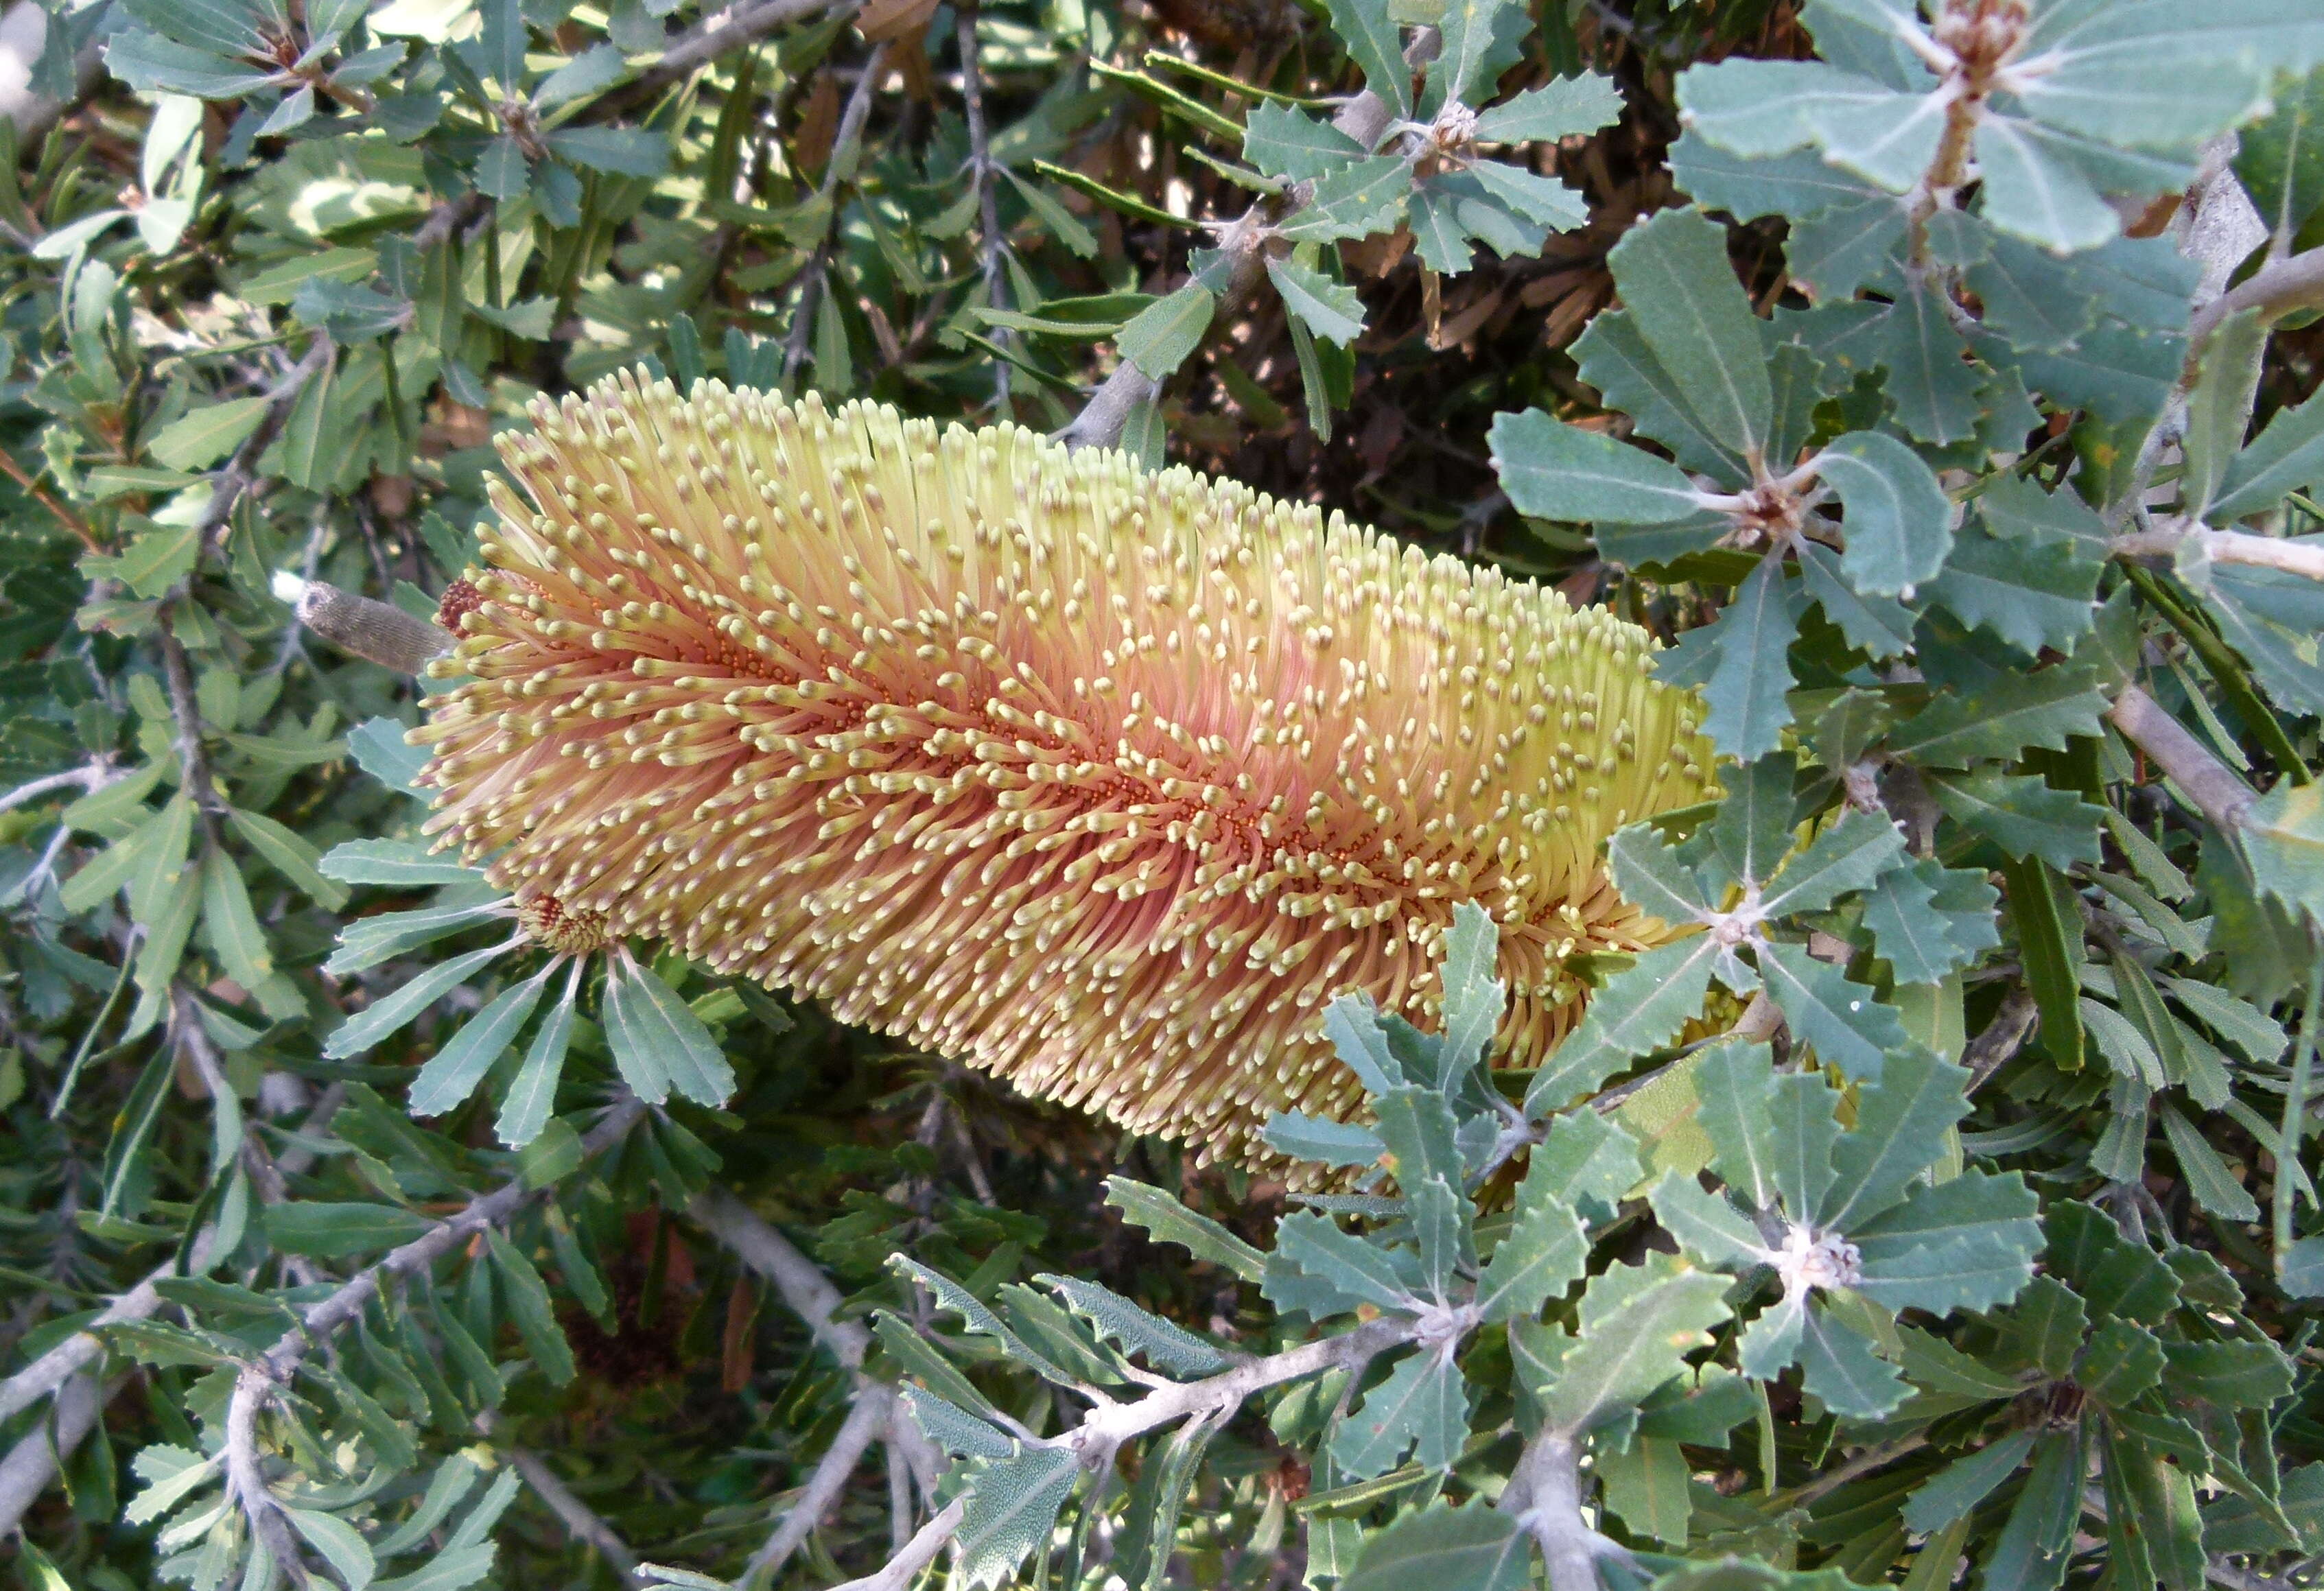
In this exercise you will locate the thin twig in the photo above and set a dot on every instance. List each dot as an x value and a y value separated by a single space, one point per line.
579 1519
32 1464
53 1369
264 1378
196 778
2208 782
920 1551
2275 289
64 516
2000 1038
729 29
2223 547
991 245
803 1287
866 1422
82 778
242 469
1102 418
815 279
452 216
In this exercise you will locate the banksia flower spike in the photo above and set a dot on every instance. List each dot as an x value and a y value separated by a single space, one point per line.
1103 781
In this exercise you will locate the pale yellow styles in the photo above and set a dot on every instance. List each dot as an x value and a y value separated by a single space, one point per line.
1103 781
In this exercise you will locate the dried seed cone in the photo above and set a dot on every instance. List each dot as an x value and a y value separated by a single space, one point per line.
1103 781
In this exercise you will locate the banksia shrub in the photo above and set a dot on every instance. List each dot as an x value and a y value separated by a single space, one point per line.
1103 781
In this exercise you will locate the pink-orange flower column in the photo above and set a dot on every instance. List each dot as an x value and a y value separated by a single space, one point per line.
1102 781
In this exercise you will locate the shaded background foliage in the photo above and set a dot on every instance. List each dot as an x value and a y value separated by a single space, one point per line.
276 277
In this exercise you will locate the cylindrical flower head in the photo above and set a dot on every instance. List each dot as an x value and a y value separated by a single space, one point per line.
1103 781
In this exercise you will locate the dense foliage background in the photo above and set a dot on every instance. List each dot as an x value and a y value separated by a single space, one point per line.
1937 385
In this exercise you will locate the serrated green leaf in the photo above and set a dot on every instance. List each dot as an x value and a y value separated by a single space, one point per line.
1934 391
1543 1251
1881 625
1640 1009
1900 1125
2122 1363
1287 143
1750 676
1732 1083
1166 1344
1310 1245
1637 1322
1559 108
1848 855
1673 275
2284 835
1651 876
1963 1485
1899 522
1422 1408
2122 1278
1704 1226
1321 1140
1374 43
1476 1548
1559 471
1614 358
1964 1244
2024 815
1332 310
1844 1022
1354 200
1012 1508
1840 1366
2029 192
2017 711
1170 1222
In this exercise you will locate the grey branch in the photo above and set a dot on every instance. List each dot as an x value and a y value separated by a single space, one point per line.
1108 1425
2000 1038
877 1414
73 778
263 1378
32 1464
1101 419
53 1369
242 469
804 1290
2223 547
2208 782
814 278
2276 290
920 1551
874 1415
990 245
728 29
579 1520
1544 1495
245 1473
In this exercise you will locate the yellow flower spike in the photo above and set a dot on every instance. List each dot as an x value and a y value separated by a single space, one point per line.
1103 781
